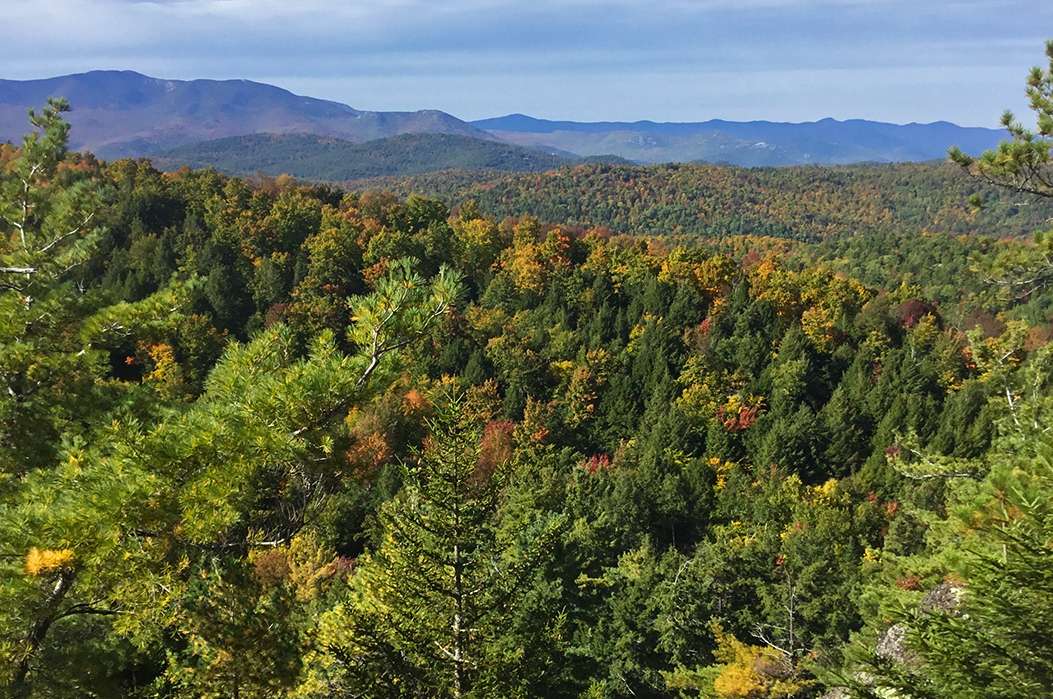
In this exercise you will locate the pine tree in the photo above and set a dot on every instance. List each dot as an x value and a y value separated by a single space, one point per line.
47 220
1022 163
969 616
110 532
47 231
983 632
426 603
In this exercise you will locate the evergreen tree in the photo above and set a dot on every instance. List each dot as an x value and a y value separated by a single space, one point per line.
983 631
428 602
48 228
968 615
1023 163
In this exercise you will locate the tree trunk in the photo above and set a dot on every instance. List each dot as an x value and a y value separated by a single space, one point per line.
458 632
21 686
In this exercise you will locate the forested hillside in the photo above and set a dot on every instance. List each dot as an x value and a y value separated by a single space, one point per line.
333 160
799 202
272 439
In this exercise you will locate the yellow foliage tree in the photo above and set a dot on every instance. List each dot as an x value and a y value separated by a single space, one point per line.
47 561
742 671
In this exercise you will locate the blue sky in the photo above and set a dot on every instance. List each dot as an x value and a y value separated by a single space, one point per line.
676 60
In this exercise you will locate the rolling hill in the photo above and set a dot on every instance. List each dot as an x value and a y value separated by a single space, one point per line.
330 159
122 113
754 143
804 202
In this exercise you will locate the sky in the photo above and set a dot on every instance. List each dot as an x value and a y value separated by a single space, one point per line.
667 60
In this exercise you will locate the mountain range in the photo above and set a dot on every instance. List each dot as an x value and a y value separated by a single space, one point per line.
751 143
123 113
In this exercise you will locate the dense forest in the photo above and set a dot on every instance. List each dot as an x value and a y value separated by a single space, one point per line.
804 203
276 439
331 159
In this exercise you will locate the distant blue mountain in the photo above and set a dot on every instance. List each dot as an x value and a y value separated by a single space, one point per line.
122 113
827 141
118 113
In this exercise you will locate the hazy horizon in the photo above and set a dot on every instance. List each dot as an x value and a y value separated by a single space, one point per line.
883 60
521 114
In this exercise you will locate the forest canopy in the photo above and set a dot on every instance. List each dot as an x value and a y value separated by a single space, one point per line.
275 439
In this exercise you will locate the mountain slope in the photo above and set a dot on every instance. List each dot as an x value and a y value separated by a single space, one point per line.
118 113
121 113
806 202
331 159
753 143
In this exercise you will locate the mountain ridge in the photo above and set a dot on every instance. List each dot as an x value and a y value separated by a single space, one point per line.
490 122
127 113
119 113
827 141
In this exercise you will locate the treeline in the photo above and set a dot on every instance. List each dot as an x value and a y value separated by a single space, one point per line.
281 440
802 203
